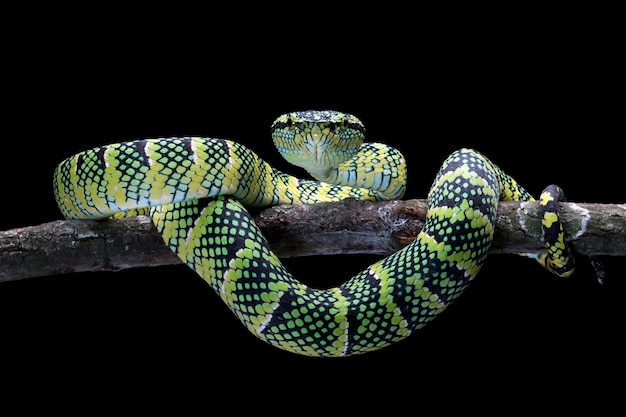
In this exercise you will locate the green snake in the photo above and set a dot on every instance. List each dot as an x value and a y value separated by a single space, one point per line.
195 189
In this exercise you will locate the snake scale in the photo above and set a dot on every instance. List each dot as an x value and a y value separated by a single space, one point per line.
195 189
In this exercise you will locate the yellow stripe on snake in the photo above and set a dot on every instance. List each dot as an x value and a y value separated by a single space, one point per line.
195 189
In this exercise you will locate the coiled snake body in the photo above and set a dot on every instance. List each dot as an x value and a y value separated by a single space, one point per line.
195 190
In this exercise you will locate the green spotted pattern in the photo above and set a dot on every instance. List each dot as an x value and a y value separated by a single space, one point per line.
196 190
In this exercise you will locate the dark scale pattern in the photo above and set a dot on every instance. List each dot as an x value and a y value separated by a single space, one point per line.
176 158
381 305
128 176
127 165
376 167
227 249
558 258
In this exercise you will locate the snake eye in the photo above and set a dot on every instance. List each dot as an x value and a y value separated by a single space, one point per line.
338 125
291 125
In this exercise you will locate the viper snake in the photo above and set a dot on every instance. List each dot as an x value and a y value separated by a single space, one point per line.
195 190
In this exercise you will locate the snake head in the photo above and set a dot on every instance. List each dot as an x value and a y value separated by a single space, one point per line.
317 141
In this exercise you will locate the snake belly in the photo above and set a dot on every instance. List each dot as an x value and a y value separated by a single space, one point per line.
196 190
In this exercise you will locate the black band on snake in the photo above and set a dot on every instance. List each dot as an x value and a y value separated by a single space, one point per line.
195 189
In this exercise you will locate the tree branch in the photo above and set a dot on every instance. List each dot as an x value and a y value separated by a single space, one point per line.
347 227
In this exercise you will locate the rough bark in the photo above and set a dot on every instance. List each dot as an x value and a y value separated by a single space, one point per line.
347 227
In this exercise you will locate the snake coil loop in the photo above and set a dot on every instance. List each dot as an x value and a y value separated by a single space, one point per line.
195 189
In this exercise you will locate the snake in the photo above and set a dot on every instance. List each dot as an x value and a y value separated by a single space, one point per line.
198 191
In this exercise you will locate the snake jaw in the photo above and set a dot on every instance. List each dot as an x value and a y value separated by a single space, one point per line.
317 146
310 149
317 164
316 135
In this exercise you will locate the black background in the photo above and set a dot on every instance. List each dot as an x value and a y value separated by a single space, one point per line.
538 101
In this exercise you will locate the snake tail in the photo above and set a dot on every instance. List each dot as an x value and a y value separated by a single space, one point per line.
558 257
